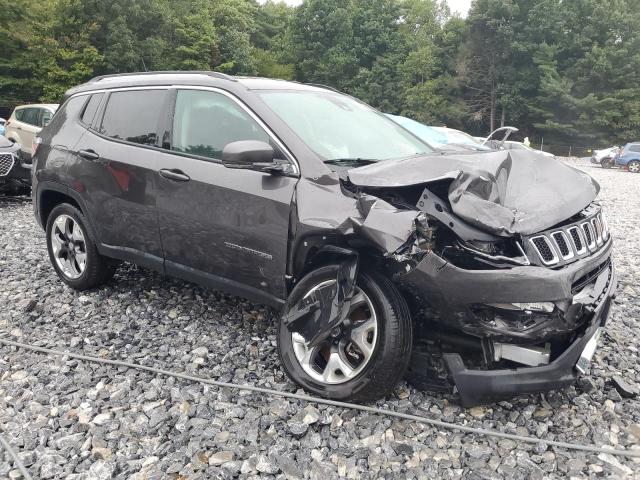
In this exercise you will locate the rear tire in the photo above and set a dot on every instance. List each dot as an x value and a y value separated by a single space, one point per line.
390 351
73 252
634 166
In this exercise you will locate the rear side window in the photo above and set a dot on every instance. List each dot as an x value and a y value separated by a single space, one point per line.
91 108
133 116
204 122
19 114
634 148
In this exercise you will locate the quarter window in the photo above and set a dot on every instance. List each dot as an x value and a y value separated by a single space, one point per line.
204 122
91 108
45 117
133 116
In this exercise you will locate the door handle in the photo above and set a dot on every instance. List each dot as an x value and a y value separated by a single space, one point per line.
89 154
175 174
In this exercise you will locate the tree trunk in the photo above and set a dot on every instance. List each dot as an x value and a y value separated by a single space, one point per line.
502 118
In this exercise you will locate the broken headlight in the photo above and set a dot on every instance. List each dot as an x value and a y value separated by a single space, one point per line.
498 254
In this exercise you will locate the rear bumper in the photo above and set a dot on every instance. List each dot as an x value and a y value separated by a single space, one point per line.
478 387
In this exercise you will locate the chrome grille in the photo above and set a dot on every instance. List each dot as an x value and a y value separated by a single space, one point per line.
566 243
6 164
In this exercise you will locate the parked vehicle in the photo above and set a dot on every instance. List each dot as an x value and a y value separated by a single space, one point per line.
441 138
15 173
629 157
605 157
26 122
492 267
2 124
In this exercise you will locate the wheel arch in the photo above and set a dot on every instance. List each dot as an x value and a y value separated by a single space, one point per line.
50 195
316 251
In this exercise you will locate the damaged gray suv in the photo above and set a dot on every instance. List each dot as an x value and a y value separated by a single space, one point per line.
489 272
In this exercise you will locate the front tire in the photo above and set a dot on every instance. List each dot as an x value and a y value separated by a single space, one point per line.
606 162
72 251
634 166
366 360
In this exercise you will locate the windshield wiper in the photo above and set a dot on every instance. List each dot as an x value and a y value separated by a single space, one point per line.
350 161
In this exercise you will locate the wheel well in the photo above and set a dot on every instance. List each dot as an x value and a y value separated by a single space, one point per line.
50 199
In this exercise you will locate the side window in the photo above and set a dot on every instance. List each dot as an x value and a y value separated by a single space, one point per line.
133 116
30 116
634 148
91 108
20 114
204 122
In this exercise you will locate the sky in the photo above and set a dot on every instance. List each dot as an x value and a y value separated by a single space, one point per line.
459 6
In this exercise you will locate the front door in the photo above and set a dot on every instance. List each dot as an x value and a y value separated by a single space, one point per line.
220 226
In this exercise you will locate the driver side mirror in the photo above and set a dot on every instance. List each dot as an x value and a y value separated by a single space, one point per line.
251 155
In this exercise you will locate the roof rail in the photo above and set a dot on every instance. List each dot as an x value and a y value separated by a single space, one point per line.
326 87
222 76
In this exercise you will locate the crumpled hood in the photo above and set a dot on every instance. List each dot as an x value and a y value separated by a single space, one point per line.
502 192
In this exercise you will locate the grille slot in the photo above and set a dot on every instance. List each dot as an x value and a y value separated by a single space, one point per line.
6 164
562 242
586 228
545 250
597 228
577 240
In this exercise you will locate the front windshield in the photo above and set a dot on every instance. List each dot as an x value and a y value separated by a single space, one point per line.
339 127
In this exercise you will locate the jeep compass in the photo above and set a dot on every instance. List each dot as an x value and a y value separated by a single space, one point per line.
487 271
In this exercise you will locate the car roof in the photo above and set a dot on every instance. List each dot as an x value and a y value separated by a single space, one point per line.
192 78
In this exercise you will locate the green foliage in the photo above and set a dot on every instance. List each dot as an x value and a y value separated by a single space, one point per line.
565 71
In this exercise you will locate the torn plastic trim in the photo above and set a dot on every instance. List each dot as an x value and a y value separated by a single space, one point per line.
315 316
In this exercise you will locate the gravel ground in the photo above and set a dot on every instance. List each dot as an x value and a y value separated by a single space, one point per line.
70 419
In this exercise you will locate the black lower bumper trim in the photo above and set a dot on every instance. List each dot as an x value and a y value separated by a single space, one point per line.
478 387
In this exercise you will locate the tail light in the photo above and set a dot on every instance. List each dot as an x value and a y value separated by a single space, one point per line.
34 146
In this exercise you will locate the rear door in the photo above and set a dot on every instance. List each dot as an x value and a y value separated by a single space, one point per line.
224 227
114 170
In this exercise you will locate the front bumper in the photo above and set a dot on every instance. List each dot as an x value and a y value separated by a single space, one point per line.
20 172
453 289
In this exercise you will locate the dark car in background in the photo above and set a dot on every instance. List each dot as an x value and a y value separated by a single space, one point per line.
15 172
493 267
628 157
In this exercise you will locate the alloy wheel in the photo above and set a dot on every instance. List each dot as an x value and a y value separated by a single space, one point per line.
634 167
348 350
69 246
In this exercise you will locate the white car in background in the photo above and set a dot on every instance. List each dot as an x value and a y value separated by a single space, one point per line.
605 156
25 123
